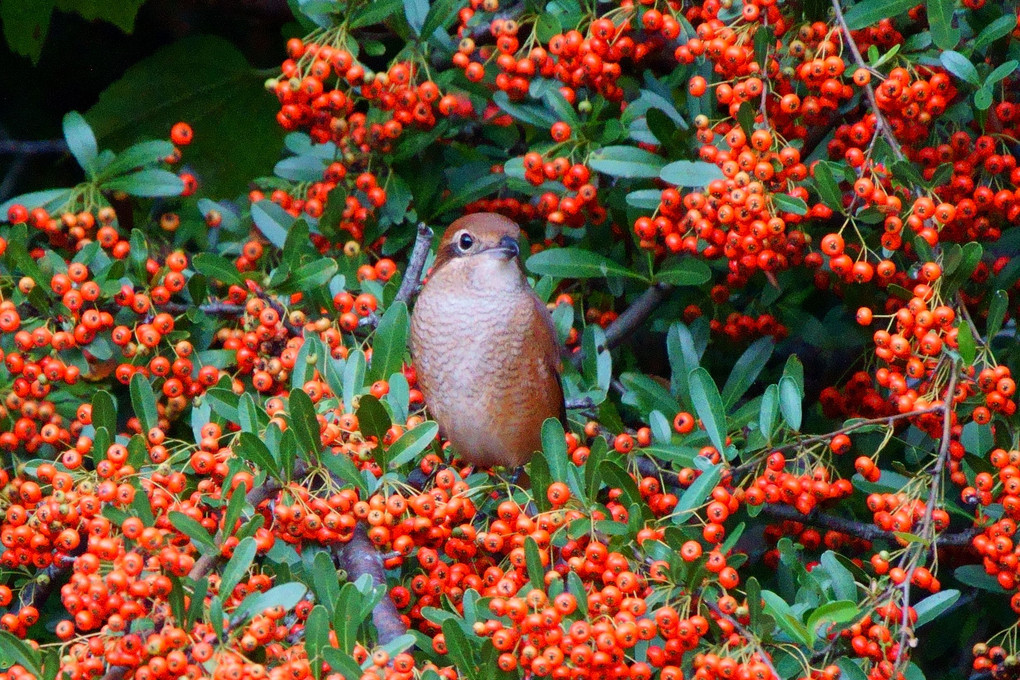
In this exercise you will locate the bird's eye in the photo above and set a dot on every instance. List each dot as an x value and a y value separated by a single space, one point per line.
465 242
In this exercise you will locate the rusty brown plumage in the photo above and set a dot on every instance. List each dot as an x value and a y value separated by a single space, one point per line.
484 345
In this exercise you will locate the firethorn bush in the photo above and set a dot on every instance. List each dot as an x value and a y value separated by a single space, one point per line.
780 245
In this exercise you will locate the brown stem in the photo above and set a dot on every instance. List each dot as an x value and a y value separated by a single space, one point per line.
880 122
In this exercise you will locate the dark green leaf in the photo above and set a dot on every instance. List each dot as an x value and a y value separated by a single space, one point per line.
195 531
574 263
690 173
313 274
616 477
996 30
709 406
143 400
696 494
930 607
390 342
237 566
204 80
20 652
439 13
412 443
218 268
790 204
554 448
778 608
533 562
104 411
996 313
136 156
255 451
828 188
645 199
866 13
353 379
415 11
373 421
627 161
689 271
745 116
1001 71
840 611
967 345
316 636
304 423
746 370
842 580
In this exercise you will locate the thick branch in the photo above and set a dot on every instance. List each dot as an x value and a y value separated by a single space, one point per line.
415 264
359 556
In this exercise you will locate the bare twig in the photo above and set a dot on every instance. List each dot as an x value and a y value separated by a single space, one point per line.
581 404
415 264
880 122
213 308
13 147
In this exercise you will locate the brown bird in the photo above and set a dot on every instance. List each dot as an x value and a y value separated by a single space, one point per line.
484 345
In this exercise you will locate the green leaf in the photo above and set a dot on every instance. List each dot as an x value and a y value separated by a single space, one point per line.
690 173
930 607
20 652
143 401
375 13
217 267
286 595
195 531
839 611
616 477
843 584
533 562
81 141
415 11
151 183
312 275
1001 71
866 13
204 80
461 652
960 66
747 369
439 13
316 636
541 478
850 669
790 204
597 361
104 411
974 575
237 566
696 494
777 607
626 161
709 406
353 379
344 468
390 342
967 344
255 451
996 313
412 443
554 448
538 116
373 421
689 271
940 19
575 263
304 423
645 199
790 405
137 156
272 220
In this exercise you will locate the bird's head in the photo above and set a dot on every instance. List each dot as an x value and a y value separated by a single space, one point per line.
479 239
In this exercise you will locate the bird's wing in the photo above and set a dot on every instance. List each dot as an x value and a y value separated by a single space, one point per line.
552 356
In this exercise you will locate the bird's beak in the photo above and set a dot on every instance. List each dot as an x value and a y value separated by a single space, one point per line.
507 248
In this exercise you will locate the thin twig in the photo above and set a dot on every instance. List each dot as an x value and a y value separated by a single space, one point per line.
751 638
631 318
880 120
929 509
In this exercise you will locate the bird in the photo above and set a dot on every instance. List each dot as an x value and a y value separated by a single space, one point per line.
484 346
